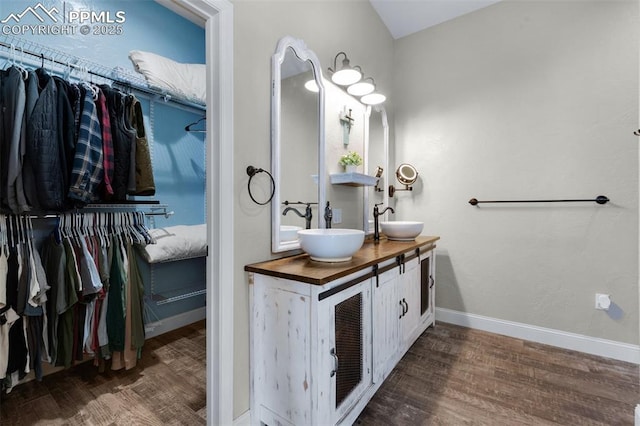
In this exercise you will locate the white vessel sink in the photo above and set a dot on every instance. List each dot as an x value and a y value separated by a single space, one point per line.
289 233
331 245
401 230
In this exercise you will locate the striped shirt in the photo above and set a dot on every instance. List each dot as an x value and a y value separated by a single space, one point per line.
87 172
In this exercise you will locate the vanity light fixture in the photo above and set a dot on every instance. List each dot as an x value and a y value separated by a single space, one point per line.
357 86
347 74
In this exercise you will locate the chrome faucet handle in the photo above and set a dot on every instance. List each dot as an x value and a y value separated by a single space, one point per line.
328 215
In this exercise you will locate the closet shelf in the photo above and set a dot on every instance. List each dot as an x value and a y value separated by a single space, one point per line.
122 77
353 179
177 295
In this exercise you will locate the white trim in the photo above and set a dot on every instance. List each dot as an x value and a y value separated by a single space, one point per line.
243 420
562 339
218 15
172 323
304 54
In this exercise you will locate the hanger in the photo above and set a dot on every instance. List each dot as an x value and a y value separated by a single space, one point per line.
188 127
13 60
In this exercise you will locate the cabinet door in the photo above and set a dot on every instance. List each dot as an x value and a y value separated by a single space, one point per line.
427 288
345 351
410 298
281 354
387 310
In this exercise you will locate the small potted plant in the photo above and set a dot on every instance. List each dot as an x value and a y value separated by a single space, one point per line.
351 161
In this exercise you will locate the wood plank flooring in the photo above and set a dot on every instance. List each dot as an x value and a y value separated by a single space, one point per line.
458 376
167 387
451 376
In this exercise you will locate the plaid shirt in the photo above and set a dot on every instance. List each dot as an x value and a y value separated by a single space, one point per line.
87 172
107 143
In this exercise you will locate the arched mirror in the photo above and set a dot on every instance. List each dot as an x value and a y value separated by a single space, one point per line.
376 162
297 143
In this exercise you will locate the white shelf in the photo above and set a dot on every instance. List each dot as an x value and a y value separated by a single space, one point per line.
353 179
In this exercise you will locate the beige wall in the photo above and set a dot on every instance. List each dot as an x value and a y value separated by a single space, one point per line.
327 27
527 100
523 99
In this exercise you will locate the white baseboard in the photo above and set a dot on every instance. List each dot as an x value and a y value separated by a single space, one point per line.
169 324
562 339
243 420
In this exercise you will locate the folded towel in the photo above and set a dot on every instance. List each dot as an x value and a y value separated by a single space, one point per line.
176 242
188 80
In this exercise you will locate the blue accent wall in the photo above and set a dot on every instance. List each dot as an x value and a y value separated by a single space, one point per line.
178 156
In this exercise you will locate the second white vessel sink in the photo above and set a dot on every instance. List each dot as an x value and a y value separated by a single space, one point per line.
401 230
331 245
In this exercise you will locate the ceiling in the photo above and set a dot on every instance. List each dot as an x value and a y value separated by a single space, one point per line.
404 17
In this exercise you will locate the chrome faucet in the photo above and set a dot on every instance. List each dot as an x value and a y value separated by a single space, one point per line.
307 214
376 226
328 215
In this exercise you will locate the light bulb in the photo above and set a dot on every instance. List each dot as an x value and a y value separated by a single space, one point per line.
345 77
373 99
361 88
312 86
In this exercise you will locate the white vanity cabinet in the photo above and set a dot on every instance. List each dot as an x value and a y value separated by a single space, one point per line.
324 336
311 349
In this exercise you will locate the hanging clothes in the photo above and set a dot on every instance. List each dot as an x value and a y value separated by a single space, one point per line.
69 144
43 147
13 110
66 144
107 144
82 296
87 171
144 182
28 195
122 141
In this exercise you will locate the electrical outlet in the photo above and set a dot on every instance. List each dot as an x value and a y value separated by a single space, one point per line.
337 216
603 301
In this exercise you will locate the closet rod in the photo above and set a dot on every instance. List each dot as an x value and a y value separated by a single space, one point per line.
156 208
155 94
57 215
600 199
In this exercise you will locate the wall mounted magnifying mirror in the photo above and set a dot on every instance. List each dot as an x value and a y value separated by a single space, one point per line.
406 175
297 142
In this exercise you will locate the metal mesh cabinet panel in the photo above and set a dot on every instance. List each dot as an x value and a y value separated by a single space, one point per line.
348 329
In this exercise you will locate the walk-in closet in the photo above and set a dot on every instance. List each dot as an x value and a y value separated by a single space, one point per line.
105 222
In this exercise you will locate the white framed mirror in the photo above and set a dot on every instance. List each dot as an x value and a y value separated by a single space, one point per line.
376 158
297 143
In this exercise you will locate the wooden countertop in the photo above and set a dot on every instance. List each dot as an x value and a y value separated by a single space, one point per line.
302 268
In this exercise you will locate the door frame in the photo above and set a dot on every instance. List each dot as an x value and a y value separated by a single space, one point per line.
217 18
